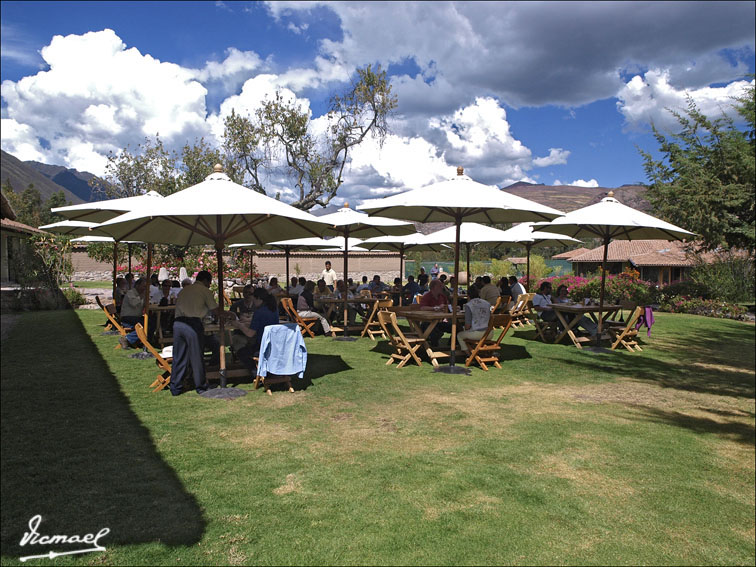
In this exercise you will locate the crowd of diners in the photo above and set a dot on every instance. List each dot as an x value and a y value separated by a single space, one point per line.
194 305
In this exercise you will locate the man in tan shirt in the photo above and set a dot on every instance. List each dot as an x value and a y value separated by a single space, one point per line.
489 291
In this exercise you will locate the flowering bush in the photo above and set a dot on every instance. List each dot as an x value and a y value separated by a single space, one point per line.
706 307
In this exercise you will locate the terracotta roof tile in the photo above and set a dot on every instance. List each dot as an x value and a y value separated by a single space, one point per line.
640 253
19 227
570 253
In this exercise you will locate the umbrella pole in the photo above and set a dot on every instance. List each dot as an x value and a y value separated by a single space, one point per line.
251 265
603 286
147 289
467 247
115 268
219 256
527 289
287 253
129 248
452 368
401 264
346 336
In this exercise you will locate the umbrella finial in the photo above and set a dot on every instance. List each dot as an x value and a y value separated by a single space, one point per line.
217 168
346 204
460 170
611 194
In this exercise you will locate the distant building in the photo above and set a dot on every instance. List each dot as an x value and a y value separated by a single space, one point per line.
658 261
570 254
12 233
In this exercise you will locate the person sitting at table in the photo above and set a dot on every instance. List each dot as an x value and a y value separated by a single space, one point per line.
167 295
422 282
295 288
435 300
129 281
410 290
506 293
186 282
363 285
192 305
377 286
306 307
489 292
477 315
121 291
132 310
542 304
243 309
585 322
321 291
396 291
273 288
341 291
266 313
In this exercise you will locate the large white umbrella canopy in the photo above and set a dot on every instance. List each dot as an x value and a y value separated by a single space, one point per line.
458 199
350 223
611 220
216 211
525 235
100 211
73 227
401 244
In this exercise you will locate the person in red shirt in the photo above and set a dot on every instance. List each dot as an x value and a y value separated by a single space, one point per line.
435 300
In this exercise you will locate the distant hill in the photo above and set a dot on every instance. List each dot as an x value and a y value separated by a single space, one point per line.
568 197
77 182
20 174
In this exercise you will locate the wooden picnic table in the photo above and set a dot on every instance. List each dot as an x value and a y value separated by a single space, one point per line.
331 303
159 310
416 317
578 310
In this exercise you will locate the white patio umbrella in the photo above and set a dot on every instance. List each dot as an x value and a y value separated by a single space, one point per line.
75 227
611 220
101 211
525 235
220 212
350 223
470 234
458 199
401 244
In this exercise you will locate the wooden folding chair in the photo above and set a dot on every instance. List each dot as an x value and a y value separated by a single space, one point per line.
365 293
520 310
406 346
108 325
547 330
500 306
613 322
110 313
486 350
164 364
373 326
305 323
628 335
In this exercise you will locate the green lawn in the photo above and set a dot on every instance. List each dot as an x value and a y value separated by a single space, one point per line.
102 284
561 457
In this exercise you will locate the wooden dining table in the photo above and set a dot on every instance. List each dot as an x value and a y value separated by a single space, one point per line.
563 310
160 312
331 303
416 317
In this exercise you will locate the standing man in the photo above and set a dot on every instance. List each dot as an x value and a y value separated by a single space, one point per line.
329 275
435 271
192 305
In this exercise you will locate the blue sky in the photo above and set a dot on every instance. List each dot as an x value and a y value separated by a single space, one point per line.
543 92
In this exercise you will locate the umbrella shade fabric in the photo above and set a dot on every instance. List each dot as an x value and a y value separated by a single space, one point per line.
72 228
415 241
459 197
330 244
100 211
102 239
215 211
611 219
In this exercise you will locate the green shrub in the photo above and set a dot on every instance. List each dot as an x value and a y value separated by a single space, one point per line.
729 278
706 307
74 298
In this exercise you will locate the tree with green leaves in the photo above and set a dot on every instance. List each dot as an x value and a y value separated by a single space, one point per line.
281 130
29 207
704 181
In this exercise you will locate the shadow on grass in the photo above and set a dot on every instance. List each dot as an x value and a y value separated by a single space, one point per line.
74 452
319 365
735 430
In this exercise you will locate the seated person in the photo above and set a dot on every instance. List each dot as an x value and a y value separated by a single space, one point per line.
435 300
477 315
266 313
186 282
121 290
422 282
306 307
243 309
516 288
274 289
542 304
377 286
295 288
132 311
167 294
396 291
321 291
340 292
489 291
410 290
363 285
506 293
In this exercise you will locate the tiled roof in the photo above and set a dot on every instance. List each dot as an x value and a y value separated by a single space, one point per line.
518 260
570 253
16 226
640 253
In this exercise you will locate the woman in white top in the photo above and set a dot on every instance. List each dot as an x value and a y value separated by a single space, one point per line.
477 315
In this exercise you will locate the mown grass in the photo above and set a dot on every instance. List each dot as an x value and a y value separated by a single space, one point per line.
561 457
102 284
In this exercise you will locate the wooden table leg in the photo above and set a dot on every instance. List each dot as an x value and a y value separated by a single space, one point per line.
433 356
568 329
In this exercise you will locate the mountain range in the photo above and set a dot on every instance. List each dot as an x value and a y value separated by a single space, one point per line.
49 179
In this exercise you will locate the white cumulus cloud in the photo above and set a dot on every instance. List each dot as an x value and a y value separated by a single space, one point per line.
579 183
